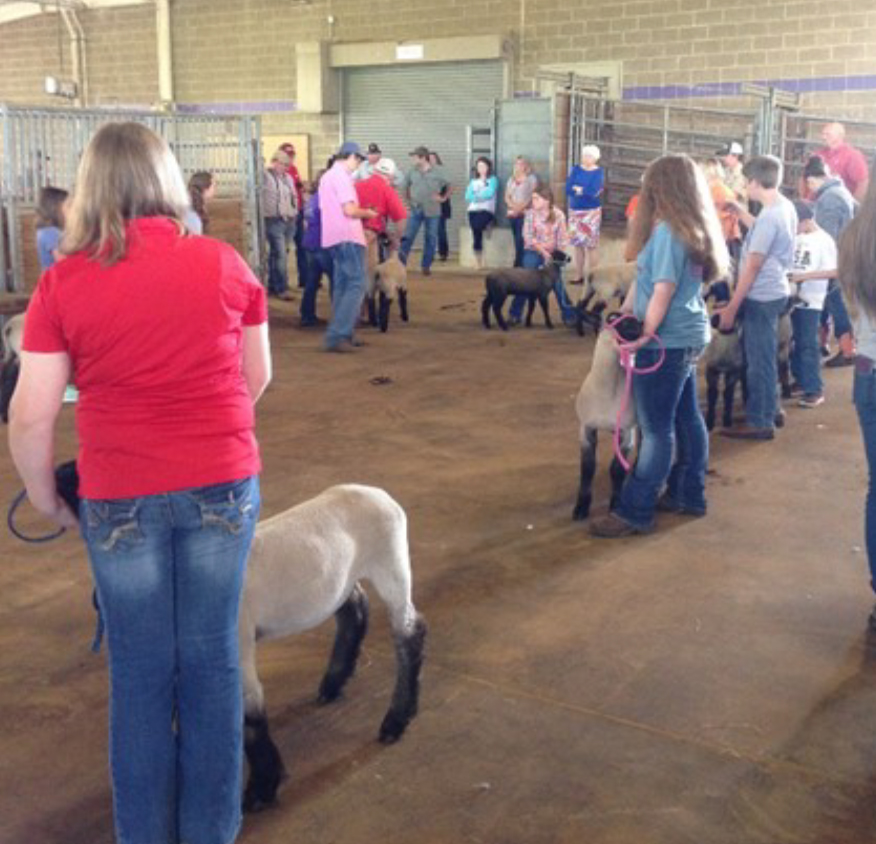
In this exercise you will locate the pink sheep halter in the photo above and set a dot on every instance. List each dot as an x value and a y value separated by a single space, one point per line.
628 364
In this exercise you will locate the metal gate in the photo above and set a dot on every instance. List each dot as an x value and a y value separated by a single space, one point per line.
42 146
401 107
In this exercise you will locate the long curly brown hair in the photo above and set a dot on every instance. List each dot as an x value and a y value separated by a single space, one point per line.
857 257
675 191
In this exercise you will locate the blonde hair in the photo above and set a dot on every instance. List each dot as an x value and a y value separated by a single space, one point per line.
712 169
126 172
857 257
675 191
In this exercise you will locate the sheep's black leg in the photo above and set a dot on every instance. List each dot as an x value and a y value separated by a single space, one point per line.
730 380
785 377
498 304
405 698
544 301
372 311
266 770
385 305
712 397
588 469
485 310
530 309
352 624
617 471
403 303
585 301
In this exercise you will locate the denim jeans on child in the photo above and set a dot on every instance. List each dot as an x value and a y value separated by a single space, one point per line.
805 354
760 342
279 232
319 264
532 260
835 309
169 573
865 403
348 271
670 422
417 219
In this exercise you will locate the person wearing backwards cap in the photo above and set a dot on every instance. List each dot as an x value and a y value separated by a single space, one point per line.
342 235
426 191
731 157
377 192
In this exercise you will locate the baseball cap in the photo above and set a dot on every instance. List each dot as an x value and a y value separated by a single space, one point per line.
732 148
804 209
349 148
373 149
816 167
423 152
386 166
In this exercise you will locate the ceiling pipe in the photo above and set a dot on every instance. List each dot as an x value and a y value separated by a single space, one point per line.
165 56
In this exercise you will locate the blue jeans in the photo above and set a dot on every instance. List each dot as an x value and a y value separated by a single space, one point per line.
865 403
348 271
417 219
517 232
532 260
835 309
669 421
760 342
300 251
280 233
318 262
169 573
805 355
443 243
479 221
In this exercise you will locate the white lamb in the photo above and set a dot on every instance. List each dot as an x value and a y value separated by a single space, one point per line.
306 565
387 282
598 403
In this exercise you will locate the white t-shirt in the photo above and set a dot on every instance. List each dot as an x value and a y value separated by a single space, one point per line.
814 250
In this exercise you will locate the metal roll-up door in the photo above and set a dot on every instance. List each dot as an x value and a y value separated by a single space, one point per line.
402 107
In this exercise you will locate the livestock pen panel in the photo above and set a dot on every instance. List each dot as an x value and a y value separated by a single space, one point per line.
42 146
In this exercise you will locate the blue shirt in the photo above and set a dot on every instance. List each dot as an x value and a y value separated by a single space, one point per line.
772 236
591 183
48 240
665 258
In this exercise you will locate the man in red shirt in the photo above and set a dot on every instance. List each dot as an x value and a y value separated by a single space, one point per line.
378 193
300 255
844 160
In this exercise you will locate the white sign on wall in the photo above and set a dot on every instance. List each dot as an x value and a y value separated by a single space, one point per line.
409 52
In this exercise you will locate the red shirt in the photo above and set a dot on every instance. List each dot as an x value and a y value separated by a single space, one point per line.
375 193
846 162
155 343
292 170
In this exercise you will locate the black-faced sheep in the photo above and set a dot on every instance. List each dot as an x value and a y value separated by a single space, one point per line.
536 285
12 333
606 286
598 405
723 358
306 565
387 282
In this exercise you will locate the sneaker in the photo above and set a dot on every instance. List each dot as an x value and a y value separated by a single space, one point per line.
613 526
838 360
796 389
811 400
343 347
665 504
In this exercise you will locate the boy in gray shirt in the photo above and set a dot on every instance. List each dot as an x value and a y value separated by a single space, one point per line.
762 294
425 186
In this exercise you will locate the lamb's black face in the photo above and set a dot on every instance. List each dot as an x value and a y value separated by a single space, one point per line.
8 381
560 258
67 482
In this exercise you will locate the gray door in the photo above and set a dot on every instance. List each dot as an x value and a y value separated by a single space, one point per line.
401 107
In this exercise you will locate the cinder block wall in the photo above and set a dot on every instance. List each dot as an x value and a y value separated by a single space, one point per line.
229 52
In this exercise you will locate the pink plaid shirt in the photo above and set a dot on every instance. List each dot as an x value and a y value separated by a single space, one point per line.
538 231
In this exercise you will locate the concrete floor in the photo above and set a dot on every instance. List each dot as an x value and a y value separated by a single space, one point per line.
710 683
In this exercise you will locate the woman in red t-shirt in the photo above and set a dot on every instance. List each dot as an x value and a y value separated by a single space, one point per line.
166 337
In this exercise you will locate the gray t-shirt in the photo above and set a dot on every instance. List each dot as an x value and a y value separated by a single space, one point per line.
423 186
772 236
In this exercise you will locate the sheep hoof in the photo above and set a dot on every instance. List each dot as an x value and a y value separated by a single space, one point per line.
328 693
580 513
392 728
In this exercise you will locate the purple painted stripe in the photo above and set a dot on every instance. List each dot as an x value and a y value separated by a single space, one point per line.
733 89
262 107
